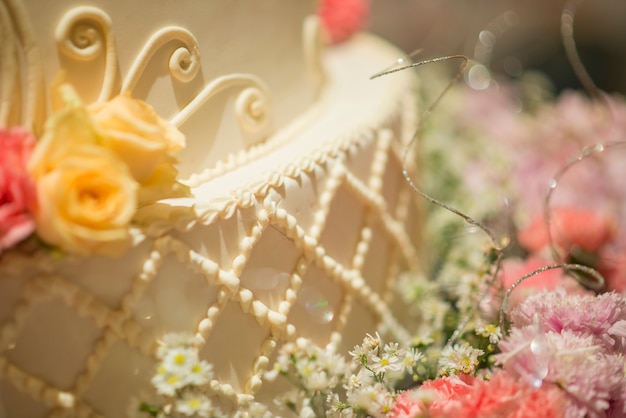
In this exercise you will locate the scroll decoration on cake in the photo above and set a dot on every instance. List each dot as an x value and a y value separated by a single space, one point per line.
8 67
17 31
313 42
83 34
93 177
253 109
184 62
253 112
96 146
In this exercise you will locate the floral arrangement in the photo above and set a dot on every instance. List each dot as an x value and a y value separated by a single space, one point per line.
522 311
82 185
540 175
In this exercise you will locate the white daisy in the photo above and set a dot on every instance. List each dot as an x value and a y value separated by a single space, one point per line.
459 359
195 404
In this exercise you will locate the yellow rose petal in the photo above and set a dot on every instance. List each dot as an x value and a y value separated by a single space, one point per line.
137 134
87 202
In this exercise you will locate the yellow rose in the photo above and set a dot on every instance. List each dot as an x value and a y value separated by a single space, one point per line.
87 196
70 127
95 167
86 202
137 135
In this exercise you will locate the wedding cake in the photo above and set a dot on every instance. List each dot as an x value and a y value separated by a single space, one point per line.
265 178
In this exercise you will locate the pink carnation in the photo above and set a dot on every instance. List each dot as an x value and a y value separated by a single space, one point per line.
437 397
587 375
506 396
17 193
466 397
342 18
601 317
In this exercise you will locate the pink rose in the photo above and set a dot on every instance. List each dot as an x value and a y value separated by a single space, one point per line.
17 192
342 18
569 227
586 237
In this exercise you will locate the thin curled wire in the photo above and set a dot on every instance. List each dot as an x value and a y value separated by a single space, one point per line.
566 266
568 15
497 245
583 154
418 133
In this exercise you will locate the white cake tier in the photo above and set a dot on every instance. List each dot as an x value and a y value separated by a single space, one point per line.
301 237
228 74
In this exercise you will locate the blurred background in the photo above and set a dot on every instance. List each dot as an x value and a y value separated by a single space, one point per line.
530 38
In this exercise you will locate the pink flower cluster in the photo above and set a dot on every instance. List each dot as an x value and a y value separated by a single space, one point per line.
463 396
578 236
602 317
565 353
587 205
17 190
538 144
564 356
577 342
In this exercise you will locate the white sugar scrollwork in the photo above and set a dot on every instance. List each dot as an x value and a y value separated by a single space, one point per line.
253 111
313 46
184 62
83 34
89 58
18 47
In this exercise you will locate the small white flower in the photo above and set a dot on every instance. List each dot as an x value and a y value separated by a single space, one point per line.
385 363
392 349
167 383
355 381
365 350
306 412
333 402
200 373
194 404
179 359
174 340
492 331
385 405
289 399
316 381
410 360
258 410
459 358
434 312
341 413
368 398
